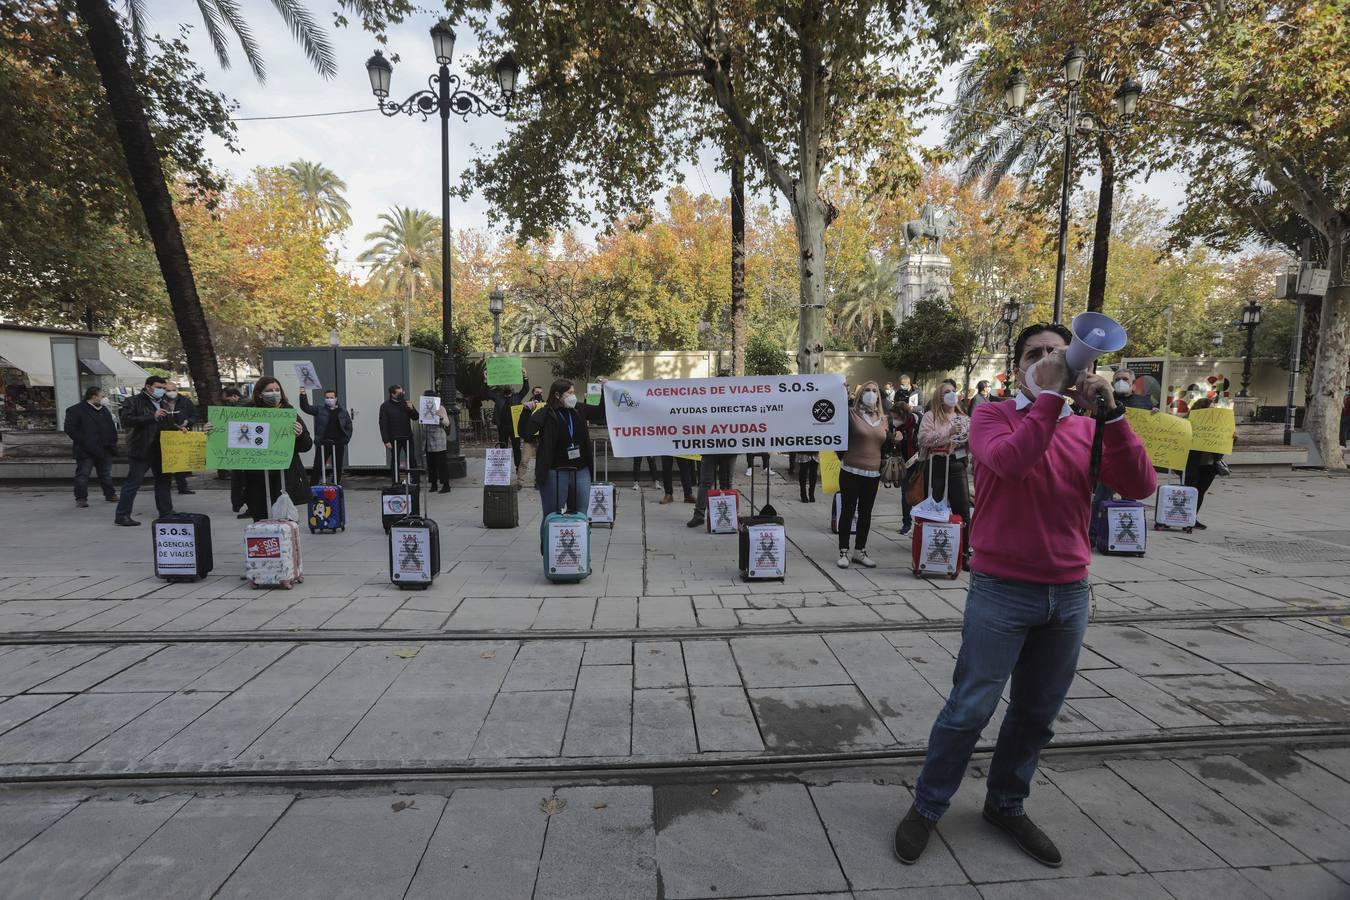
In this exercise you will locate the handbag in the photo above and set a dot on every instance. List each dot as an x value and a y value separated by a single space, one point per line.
892 473
915 489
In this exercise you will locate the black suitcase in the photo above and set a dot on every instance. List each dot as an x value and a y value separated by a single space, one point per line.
398 500
771 558
182 546
414 552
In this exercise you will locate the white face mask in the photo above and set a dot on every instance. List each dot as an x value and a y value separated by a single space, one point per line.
171 394
869 398
271 396
330 402
1123 387
949 398
570 401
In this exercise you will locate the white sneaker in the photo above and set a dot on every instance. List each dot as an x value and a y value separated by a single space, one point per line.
750 471
637 487
843 559
861 557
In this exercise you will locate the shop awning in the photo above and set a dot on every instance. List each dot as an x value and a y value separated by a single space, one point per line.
30 353
123 369
95 367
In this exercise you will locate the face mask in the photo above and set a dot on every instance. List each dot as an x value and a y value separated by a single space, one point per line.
157 393
99 401
271 396
330 402
869 398
570 401
171 394
1123 387
398 397
949 398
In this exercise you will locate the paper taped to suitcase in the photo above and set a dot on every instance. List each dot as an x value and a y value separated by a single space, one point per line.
1125 529
768 551
412 554
397 504
601 507
1176 506
723 515
941 543
175 549
568 547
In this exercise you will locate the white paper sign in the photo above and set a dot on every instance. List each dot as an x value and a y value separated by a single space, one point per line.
1125 529
498 466
722 513
569 548
175 549
1176 506
307 376
249 436
426 410
759 414
397 504
601 508
939 548
768 551
411 549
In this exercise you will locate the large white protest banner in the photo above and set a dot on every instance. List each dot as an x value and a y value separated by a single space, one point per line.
770 413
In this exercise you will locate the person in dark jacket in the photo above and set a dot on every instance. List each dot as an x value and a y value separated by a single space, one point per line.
332 429
564 458
182 416
503 398
902 441
397 416
260 490
143 414
92 431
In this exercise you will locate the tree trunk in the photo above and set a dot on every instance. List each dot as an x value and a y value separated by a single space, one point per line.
408 308
109 48
808 214
737 262
1101 236
1323 419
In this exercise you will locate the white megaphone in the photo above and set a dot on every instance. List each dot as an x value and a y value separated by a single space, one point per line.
1093 335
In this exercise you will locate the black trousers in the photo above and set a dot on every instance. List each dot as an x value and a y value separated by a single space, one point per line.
84 464
807 470
337 454
1200 476
438 472
949 483
686 475
637 467
750 460
515 448
714 469
857 495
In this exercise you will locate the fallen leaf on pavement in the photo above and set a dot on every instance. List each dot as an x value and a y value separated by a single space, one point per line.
600 806
406 652
552 806
489 654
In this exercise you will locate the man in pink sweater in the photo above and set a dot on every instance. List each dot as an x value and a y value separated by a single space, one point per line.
1027 607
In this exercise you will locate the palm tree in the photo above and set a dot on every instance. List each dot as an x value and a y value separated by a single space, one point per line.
406 251
108 45
866 298
321 189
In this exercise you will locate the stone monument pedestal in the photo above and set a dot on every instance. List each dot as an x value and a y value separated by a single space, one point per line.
921 275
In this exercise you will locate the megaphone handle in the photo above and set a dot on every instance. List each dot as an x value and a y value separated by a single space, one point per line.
1098 435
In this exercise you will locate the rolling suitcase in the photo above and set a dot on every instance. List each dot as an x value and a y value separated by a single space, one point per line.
182 546
567 546
501 506
327 504
723 512
938 547
1120 528
272 551
836 507
398 499
1175 507
414 552
763 540
603 507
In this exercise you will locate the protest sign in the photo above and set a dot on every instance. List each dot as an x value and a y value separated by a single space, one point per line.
426 410
1212 430
498 466
762 414
308 377
568 546
250 438
594 393
504 370
1167 438
183 451
829 472
515 419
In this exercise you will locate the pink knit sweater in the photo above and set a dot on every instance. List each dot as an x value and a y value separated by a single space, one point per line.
1032 488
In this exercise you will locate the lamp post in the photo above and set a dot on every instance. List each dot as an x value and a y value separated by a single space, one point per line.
496 305
1012 311
445 97
1072 122
1251 317
1217 341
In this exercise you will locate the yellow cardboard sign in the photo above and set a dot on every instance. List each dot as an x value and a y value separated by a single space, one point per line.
183 451
1167 438
515 419
1212 430
696 457
829 471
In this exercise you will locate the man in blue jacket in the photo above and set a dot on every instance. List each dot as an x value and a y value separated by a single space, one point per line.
92 430
332 433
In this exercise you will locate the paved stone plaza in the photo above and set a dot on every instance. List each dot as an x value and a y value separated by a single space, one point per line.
662 729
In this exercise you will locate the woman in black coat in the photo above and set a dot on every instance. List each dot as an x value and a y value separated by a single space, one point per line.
258 494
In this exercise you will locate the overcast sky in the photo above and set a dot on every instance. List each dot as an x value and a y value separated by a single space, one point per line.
385 161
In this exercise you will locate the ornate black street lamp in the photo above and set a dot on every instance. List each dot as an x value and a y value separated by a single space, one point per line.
1012 311
496 305
1069 123
445 97
1251 317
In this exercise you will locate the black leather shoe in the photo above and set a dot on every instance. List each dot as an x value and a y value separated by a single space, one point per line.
82 504
244 515
112 498
125 520
186 491
444 490
911 836
695 522
1034 842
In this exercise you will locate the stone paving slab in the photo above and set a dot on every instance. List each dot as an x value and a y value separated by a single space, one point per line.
1264 550
335 704
826 835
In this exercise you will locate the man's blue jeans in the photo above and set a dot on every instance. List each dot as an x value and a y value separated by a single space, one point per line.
1031 632
135 474
563 488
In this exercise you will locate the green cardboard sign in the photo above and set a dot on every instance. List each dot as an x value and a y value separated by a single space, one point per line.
504 370
250 438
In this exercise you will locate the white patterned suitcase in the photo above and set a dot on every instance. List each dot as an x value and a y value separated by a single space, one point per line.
1175 507
272 554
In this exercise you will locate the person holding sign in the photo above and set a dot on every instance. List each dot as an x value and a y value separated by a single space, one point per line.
435 439
258 498
564 458
1201 466
143 414
503 398
1027 606
332 429
860 471
396 418
182 416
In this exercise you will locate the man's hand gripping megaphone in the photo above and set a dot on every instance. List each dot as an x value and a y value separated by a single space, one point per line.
1052 373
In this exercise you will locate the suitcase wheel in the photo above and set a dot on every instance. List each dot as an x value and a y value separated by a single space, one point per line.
1188 530
952 577
313 530
1157 527
285 585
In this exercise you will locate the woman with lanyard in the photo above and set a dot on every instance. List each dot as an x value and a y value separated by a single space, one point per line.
943 436
563 460
860 471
